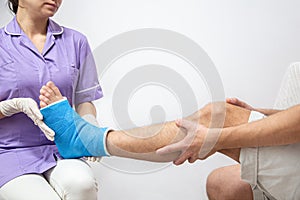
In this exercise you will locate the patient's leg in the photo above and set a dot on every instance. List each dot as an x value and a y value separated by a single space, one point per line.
142 142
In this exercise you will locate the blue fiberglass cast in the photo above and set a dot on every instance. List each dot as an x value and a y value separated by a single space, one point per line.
74 137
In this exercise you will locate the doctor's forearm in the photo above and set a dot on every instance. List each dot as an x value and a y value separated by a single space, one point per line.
86 108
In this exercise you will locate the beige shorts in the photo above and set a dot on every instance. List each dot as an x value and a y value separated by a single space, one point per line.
272 172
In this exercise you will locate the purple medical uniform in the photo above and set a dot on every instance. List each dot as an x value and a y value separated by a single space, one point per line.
67 61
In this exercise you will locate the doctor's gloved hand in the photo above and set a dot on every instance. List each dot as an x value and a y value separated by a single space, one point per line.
30 108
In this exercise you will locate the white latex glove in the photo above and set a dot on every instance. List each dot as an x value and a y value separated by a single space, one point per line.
92 120
30 108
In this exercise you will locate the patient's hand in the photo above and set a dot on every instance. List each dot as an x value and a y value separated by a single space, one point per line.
237 102
199 143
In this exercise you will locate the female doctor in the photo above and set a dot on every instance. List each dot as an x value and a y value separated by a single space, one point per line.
34 50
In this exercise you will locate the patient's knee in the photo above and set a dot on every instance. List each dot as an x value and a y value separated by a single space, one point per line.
213 185
225 183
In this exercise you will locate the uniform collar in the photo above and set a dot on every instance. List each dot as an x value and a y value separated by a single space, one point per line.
13 28
55 28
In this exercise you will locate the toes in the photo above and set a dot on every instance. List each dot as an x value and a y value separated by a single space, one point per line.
44 99
54 89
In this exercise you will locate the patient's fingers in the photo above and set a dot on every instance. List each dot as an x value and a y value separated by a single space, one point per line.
183 157
238 102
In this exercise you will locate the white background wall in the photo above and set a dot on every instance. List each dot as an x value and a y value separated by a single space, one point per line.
250 42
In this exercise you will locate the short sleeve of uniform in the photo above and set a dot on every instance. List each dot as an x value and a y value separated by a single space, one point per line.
88 87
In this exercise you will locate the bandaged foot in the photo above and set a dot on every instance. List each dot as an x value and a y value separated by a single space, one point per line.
74 137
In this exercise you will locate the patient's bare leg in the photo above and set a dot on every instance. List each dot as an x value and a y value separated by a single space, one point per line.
141 143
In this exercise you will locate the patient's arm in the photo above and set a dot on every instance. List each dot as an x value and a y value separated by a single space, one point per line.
141 143
242 104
